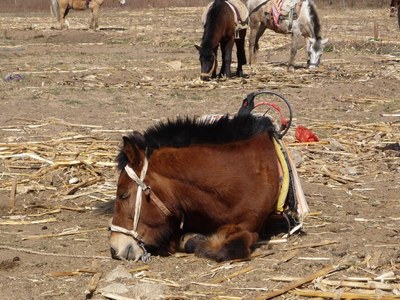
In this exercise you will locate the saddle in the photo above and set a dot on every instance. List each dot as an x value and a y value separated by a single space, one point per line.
283 10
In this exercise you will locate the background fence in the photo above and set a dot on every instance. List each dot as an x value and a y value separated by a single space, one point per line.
40 5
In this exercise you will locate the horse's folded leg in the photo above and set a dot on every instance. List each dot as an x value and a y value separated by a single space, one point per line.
230 242
191 242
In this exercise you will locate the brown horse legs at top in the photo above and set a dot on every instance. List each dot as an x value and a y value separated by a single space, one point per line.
62 7
394 10
394 4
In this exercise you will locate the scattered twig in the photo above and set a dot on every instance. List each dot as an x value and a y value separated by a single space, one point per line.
44 236
300 282
11 203
343 295
53 254
11 222
234 274
92 285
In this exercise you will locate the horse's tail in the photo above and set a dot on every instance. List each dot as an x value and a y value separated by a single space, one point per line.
55 9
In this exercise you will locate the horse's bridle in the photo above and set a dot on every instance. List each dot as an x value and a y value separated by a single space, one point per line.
142 188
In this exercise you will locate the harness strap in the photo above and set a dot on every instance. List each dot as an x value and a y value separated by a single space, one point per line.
123 230
143 188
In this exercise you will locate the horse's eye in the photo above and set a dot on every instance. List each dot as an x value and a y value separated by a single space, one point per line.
124 195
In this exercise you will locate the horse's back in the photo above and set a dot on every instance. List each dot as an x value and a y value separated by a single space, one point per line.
241 176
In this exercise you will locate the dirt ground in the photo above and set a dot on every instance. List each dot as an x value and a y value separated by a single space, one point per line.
67 98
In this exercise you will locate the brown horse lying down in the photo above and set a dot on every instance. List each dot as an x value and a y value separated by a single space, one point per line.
195 186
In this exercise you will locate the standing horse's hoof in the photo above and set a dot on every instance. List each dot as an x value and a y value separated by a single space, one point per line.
290 68
241 74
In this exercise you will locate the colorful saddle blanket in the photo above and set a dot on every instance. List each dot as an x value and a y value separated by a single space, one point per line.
282 8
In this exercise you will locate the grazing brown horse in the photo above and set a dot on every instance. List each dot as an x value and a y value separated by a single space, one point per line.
60 8
221 29
195 186
297 18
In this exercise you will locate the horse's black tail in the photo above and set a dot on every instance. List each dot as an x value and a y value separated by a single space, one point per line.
55 9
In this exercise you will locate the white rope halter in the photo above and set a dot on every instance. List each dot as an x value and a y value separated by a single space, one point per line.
142 187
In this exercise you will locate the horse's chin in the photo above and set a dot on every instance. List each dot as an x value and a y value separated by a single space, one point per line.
125 247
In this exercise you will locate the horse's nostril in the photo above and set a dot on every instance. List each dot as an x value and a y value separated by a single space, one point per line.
113 253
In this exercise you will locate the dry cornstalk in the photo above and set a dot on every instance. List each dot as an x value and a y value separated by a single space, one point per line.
11 203
45 236
11 222
92 285
83 184
300 282
233 275
78 272
142 268
288 256
117 297
344 295
313 245
362 285
161 281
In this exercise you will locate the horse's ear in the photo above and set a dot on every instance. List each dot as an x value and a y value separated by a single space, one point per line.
197 47
324 41
312 40
133 151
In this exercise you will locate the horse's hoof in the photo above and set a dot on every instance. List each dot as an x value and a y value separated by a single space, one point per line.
241 74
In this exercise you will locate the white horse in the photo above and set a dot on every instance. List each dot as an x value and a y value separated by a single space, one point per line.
60 9
295 17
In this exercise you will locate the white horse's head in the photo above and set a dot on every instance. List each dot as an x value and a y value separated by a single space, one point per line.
122 2
315 50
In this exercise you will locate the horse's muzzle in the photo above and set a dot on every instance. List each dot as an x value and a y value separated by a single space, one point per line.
126 248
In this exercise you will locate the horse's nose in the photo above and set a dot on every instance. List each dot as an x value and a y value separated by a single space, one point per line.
113 253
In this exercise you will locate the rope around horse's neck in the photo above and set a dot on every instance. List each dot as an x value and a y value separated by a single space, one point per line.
211 71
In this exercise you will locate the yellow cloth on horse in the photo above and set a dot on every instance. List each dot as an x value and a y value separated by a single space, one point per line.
285 162
240 8
285 177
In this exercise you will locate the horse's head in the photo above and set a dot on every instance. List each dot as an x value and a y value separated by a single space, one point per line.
139 220
315 50
122 2
208 63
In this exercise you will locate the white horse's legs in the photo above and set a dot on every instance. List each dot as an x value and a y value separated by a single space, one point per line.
293 49
308 45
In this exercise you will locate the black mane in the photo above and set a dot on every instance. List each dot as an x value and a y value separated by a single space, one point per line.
315 20
210 27
184 132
